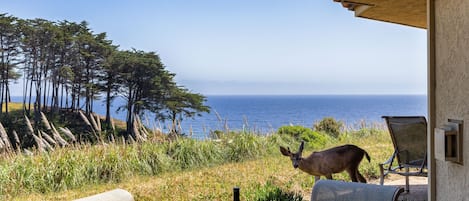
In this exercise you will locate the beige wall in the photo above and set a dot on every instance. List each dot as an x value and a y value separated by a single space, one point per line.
452 90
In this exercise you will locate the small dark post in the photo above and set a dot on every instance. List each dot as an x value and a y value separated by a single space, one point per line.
236 194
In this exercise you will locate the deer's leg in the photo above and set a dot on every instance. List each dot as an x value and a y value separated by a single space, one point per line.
360 177
329 176
352 172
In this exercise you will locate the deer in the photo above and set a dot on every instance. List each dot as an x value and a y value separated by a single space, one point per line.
327 162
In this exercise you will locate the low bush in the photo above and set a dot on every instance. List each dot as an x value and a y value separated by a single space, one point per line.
329 126
312 138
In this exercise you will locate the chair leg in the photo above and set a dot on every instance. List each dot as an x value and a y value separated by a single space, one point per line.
407 179
381 171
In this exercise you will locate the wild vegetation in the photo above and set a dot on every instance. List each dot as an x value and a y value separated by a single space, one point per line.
83 164
65 67
213 167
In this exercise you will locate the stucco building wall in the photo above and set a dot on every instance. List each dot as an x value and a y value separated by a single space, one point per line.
452 90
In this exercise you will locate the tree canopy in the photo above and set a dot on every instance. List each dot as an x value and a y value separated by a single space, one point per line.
66 65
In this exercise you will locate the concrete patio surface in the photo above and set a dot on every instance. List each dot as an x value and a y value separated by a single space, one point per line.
417 191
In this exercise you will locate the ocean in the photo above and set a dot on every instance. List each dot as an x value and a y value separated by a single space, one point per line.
266 113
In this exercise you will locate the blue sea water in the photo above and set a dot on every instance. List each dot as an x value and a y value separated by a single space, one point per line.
264 113
267 113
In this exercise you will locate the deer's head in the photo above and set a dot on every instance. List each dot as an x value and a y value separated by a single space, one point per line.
294 157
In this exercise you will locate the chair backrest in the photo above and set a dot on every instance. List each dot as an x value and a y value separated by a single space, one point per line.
409 136
332 190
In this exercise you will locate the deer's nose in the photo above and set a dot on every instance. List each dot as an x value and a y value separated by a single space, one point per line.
295 166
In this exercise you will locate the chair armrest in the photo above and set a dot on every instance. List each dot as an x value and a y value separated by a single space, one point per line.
388 169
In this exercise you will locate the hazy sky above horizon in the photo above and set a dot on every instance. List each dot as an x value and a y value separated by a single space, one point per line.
255 47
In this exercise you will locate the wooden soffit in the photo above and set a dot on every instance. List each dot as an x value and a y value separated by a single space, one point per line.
405 12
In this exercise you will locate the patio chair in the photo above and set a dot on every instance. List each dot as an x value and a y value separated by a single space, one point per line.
409 137
333 190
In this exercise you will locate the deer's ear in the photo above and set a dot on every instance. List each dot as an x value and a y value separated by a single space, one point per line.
284 151
302 145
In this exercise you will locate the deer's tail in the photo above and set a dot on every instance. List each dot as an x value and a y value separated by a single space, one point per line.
367 156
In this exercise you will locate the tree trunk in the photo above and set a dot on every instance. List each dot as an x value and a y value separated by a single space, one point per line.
130 111
108 106
3 74
7 99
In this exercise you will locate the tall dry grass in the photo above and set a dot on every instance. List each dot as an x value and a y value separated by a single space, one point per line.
85 164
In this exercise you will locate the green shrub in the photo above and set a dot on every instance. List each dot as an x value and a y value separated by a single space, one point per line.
294 131
312 138
329 126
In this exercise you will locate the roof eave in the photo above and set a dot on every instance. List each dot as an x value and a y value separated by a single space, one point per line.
397 11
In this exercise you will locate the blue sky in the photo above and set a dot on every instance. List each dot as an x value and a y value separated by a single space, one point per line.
255 47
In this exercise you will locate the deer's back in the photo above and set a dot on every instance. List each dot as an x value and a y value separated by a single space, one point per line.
339 158
347 151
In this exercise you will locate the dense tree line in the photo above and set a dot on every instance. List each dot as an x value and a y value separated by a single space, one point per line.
66 65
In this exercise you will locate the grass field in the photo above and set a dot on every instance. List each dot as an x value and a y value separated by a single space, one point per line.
185 169
216 182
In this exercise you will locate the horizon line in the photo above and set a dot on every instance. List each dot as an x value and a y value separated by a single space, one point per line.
345 94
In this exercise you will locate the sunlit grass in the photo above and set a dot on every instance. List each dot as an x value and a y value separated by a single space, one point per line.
211 183
13 106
